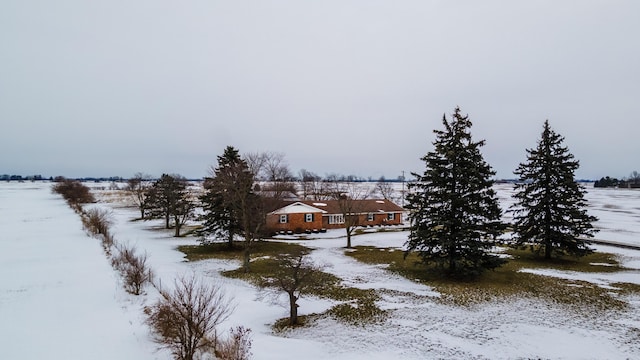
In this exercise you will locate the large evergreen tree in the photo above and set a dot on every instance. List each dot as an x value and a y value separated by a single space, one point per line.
454 210
550 210
218 215
230 205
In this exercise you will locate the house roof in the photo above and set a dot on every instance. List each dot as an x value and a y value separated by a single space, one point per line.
296 208
333 207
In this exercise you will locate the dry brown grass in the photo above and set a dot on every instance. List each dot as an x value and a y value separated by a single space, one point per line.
508 281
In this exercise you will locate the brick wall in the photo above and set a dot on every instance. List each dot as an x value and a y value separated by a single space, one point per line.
295 222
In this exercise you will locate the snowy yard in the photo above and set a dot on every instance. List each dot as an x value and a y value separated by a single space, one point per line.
61 299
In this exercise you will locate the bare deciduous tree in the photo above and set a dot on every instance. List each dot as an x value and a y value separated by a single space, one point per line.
385 189
184 320
183 212
634 178
272 168
251 208
296 275
312 186
348 195
137 188
256 163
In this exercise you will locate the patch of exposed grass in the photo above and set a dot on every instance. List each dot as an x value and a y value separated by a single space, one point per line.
358 312
283 324
223 251
358 306
376 229
594 262
507 281
627 288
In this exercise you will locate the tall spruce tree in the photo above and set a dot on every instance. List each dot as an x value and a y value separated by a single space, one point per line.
550 210
454 211
219 219
230 205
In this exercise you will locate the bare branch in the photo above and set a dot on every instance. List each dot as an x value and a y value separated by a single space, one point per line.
184 320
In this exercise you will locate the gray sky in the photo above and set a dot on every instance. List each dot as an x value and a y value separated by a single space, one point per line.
106 88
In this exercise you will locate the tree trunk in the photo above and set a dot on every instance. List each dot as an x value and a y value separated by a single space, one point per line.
166 218
452 259
348 239
230 240
188 355
293 311
547 248
178 226
452 251
547 234
247 255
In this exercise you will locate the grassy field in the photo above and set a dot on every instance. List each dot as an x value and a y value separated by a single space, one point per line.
509 281
358 306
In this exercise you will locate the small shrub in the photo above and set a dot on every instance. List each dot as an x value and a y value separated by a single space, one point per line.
97 221
133 268
73 191
184 319
108 243
237 345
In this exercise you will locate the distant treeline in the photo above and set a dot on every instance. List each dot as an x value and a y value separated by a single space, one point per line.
604 182
331 177
6 177
23 178
633 181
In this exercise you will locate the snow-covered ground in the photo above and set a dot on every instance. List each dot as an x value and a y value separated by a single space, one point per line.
60 298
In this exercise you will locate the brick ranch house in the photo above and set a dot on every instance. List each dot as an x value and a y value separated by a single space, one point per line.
314 216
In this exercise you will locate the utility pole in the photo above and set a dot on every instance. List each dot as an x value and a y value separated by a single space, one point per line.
403 195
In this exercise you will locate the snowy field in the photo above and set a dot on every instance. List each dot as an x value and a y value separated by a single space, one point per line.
61 299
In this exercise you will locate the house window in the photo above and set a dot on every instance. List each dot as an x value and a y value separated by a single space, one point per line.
284 219
336 219
308 217
370 217
391 216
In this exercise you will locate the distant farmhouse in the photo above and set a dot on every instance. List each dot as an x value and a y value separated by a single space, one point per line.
315 216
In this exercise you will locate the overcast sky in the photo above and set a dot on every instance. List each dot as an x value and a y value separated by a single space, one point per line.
114 87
